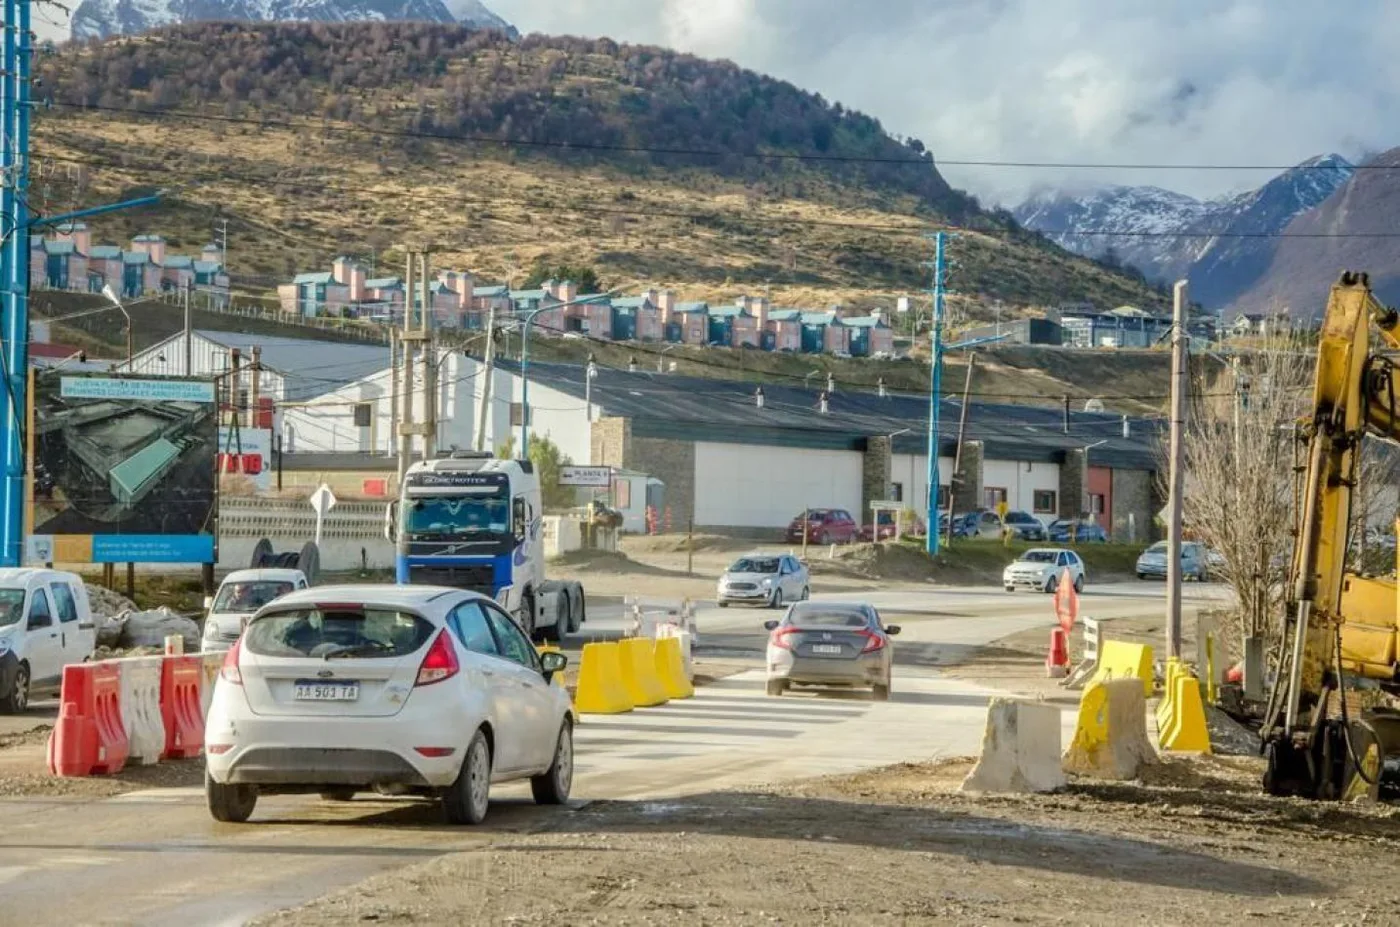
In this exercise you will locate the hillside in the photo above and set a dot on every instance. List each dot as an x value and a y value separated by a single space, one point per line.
654 167
1353 230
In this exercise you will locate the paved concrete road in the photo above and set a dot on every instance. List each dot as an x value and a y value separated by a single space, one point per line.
156 858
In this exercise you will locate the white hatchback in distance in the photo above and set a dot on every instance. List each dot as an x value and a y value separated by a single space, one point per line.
417 690
1041 568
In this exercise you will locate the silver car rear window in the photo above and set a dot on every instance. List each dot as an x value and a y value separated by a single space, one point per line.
832 619
337 633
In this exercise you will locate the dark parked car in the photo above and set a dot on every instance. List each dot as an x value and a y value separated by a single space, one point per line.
1070 531
909 527
964 525
824 526
1026 526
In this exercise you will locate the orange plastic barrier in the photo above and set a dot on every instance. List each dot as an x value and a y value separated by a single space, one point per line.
89 736
180 706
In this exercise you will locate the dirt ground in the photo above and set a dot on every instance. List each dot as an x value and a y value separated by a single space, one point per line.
1193 843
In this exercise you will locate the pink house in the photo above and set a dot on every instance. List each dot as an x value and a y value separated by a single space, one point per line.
694 321
597 319
350 274
837 337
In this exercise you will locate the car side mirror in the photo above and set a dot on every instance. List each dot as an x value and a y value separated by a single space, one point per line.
770 625
551 662
892 629
208 602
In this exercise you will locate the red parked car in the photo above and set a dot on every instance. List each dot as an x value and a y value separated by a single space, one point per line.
911 528
825 526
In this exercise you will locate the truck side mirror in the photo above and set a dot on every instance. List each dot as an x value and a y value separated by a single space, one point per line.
391 522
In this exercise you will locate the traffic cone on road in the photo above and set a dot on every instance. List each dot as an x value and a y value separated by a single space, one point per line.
1057 660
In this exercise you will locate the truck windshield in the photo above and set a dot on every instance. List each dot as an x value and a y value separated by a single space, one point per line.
452 515
11 606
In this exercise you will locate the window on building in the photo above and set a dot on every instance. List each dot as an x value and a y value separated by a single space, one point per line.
1043 501
517 415
364 414
622 494
1096 503
993 496
945 494
896 492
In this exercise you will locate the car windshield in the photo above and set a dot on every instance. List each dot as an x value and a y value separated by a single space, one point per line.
249 597
1159 548
337 632
1020 517
1038 556
832 618
11 606
452 515
754 565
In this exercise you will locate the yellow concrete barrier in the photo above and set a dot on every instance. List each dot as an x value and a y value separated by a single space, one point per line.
671 668
638 657
1166 708
600 687
1186 730
1110 733
543 649
1119 659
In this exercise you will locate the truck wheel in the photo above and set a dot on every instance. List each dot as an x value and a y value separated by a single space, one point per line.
564 608
527 614
577 605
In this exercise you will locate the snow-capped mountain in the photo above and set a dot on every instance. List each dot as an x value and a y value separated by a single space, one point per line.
1221 246
97 19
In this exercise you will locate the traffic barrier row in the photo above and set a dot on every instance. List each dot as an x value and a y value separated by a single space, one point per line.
1120 660
1181 715
636 672
1110 733
131 709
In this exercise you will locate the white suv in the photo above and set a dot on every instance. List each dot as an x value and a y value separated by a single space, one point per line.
394 689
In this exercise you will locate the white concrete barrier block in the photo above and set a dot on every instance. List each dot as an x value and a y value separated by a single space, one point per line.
140 703
1020 749
685 638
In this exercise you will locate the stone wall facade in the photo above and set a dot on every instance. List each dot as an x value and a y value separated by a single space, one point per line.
1073 504
1136 502
875 476
967 482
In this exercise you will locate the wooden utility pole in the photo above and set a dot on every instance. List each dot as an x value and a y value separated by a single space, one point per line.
256 376
409 340
430 363
957 448
393 389
483 409
1177 465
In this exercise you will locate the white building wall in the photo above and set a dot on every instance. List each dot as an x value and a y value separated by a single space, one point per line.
1021 480
749 486
915 481
207 359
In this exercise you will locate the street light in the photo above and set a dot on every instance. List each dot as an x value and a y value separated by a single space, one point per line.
590 374
525 362
112 298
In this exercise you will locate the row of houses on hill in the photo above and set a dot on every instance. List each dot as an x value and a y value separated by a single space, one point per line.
68 260
455 301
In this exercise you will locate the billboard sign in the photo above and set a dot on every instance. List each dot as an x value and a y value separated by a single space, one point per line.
244 460
121 469
600 477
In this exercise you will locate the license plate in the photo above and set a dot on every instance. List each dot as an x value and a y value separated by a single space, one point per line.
826 648
342 691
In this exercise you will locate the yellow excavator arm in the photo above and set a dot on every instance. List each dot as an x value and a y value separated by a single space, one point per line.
1336 621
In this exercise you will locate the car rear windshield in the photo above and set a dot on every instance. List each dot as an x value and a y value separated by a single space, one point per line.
1019 517
1038 556
336 633
11 606
754 565
828 619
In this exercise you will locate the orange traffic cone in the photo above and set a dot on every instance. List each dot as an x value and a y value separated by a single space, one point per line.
1057 660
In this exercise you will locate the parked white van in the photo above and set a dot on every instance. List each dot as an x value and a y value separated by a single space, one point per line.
45 624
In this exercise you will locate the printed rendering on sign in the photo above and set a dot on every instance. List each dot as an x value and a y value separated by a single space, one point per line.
122 469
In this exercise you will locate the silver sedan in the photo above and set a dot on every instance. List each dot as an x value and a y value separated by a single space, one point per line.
830 644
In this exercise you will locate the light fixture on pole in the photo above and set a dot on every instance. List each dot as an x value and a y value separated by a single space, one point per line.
112 298
590 374
525 362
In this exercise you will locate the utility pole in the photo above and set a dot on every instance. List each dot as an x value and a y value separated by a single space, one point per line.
935 386
409 340
189 331
430 363
483 408
393 389
1175 478
957 449
256 376
223 244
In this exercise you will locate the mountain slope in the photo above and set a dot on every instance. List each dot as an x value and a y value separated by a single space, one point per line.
324 139
1220 246
97 19
1353 230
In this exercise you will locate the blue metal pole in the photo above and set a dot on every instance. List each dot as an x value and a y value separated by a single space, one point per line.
935 391
13 327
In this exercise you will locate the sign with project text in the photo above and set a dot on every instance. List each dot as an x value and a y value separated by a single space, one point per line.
597 477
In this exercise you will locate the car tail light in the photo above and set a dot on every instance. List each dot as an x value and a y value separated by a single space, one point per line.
780 637
440 662
435 752
229 671
217 749
873 642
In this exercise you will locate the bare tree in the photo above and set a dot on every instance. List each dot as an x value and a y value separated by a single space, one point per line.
1239 447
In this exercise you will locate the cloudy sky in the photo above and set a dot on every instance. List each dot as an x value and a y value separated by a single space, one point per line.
1240 82
1234 82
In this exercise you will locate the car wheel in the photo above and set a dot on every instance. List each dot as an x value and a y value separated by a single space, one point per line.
1079 583
338 795
17 702
722 604
1052 584
1010 588
1142 576
552 786
882 692
777 687
806 594
467 799
777 600
230 804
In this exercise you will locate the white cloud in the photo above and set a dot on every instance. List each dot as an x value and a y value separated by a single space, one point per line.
1249 82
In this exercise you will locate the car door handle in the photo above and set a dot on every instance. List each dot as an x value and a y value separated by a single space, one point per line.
527 684
55 634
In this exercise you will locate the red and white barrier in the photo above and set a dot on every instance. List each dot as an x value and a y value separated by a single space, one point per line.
140 707
181 706
89 736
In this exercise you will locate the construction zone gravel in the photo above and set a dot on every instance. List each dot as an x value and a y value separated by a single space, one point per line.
1194 842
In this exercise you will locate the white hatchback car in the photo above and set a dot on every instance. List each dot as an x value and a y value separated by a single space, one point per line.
395 689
